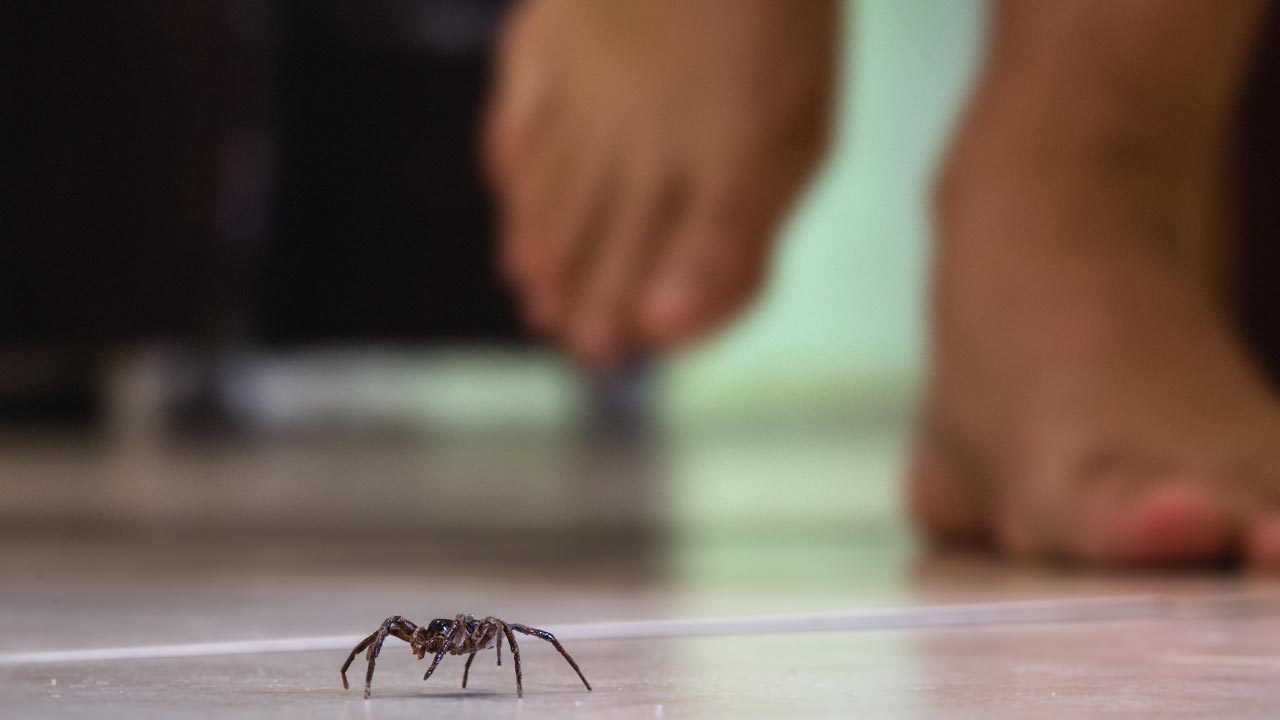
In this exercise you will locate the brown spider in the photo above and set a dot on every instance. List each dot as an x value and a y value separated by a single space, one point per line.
462 635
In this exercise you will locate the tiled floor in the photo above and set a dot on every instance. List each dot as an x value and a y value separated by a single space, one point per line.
1130 669
1209 657
180 577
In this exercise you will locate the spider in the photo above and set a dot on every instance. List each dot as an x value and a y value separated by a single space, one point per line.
462 635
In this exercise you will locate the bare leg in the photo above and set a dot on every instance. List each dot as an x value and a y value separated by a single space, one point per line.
515 653
556 643
1089 396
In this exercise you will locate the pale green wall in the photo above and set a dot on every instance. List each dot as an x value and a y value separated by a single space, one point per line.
840 327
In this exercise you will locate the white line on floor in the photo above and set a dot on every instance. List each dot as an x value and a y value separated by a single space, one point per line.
999 613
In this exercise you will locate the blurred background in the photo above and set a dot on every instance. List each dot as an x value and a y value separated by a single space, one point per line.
259 380
248 304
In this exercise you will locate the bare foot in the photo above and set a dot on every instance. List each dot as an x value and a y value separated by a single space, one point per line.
1094 407
644 152
1089 399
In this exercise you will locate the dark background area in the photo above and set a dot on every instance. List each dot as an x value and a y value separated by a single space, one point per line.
275 172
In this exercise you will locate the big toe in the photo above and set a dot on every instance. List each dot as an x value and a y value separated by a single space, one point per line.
1170 522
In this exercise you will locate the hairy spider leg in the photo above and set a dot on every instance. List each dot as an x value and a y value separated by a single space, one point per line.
356 651
487 630
391 624
490 630
416 637
467 669
515 653
397 625
476 637
551 639
448 642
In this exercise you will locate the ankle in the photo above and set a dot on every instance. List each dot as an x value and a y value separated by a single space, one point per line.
1076 190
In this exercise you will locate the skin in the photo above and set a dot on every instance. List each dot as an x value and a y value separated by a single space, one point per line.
1088 398
644 152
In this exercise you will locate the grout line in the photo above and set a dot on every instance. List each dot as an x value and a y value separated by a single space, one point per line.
209 649
928 616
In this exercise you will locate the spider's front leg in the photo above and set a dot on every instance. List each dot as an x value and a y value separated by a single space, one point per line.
394 625
444 649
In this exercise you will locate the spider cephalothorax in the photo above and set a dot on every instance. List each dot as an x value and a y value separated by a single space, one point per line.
463 635
430 638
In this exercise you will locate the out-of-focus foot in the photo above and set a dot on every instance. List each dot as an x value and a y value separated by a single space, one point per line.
644 152
1089 399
